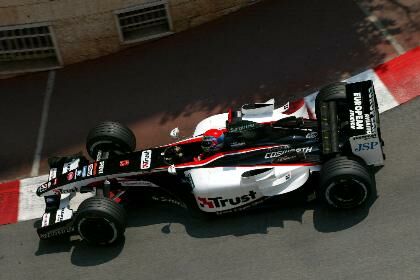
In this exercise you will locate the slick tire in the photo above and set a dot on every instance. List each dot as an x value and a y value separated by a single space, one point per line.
328 107
100 221
332 92
110 137
345 183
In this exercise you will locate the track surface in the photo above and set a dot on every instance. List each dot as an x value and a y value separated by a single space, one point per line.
295 241
272 49
281 49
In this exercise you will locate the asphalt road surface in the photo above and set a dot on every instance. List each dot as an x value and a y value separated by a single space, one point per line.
281 49
294 241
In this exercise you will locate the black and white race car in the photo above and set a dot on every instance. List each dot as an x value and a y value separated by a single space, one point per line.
269 151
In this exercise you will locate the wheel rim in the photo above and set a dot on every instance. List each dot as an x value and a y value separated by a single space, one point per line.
108 146
346 193
97 230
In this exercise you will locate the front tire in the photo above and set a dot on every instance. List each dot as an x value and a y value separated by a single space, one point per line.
110 137
100 221
345 183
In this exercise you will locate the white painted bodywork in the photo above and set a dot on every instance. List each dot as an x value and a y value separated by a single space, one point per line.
256 115
230 182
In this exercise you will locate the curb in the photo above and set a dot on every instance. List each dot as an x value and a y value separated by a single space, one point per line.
396 82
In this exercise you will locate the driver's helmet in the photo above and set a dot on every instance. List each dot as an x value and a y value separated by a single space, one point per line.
213 140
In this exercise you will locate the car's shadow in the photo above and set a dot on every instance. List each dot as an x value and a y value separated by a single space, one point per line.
272 214
288 208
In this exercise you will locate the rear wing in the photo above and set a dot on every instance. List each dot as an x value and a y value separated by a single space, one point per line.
364 133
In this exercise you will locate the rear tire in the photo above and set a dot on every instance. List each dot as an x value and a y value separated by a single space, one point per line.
345 183
332 92
328 107
100 221
110 137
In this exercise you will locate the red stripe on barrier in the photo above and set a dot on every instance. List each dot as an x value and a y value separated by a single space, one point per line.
9 202
401 75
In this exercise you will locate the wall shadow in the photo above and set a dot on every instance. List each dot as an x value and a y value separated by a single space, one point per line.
281 49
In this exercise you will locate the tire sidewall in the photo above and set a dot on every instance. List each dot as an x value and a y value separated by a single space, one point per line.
117 227
328 190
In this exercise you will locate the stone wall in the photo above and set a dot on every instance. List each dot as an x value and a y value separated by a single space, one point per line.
86 29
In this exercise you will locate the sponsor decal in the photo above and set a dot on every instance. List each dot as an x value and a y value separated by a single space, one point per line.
69 166
371 119
99 155
124 163
168 200
90 170
364 137
219 202
70 176
237 144
53 174
59 217
84 171
79 172
44 187
101 167
366 146
146 158
312 134
356 116
279 153
63 214
246 126
368 124
45 219
286 158
57 232
72 190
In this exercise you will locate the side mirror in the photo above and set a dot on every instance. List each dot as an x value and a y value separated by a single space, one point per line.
174 133
172 169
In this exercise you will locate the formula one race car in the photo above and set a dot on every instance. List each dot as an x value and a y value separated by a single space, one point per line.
233 161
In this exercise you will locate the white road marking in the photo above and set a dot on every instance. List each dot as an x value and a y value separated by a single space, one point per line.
378 24
43 125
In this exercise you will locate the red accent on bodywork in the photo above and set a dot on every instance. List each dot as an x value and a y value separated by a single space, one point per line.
311 115
124 163
294 106
222 154
183 142
230 115
204 202
9 202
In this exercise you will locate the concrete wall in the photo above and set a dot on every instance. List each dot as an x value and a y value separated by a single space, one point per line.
86 29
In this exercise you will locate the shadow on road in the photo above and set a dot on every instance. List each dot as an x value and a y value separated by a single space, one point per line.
82 253
274 214
257 221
